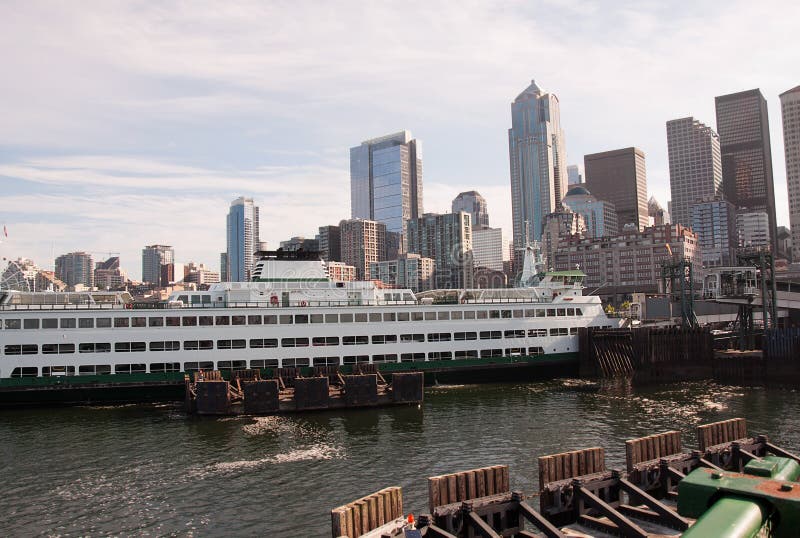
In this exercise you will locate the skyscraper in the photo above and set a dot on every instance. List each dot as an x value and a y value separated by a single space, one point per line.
790 110
600 216
714 222
75 268
743 128
330 248
242 239
619 176
575 174
362 242
474 204
537 159
447 239
153 257
386 180
695 167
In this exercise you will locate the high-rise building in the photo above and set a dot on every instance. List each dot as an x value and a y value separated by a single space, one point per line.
743 128
329 240
600 216
655 213
447 239
574 174
108 274
299 242
695 166
537 158
619 176
386 180
487 248
752 227
790 111
198 273
242 239
224 268
558 225
153 257
362 242
410 271
714 222
75 268
474 204
341 271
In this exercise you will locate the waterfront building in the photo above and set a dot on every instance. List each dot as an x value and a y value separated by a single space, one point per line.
299 242
629 262
619 176
386 180
108 274
714 222
790 112
600 216
410 271
223 267
784 243
329 240
242 239
474 204
447 239
200 274
487 248
656 214
743 128
153 257
574 175
695 166
752 228
558 225
75 269
537 157
341 271
23 274
172 273
362 242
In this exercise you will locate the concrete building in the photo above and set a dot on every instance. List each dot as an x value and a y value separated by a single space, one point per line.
656 214
575 174
23 274
362 242
790 112
616 267
75 269
299 242
200 274
558 225
330 246
784 244
620 177
172 273
714 222
487 248
752 228
600 216
153 257
242 239
223 267
386 180
537 157
743 128
408 271
447 239
474 204
695 166
109 275
341 271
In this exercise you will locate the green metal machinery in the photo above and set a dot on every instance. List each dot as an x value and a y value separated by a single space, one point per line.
764 500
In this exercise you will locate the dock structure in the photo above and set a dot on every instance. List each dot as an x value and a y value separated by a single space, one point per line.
664 491
208 393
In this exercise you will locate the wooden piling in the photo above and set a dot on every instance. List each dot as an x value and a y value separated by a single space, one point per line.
368 513
717 433
467 485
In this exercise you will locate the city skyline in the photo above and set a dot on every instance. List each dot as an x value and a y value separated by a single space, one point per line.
152 132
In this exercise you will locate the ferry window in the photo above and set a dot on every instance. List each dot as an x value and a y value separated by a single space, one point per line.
195 299
13 350
530 313
430 316
456 315
465 336
384 338
13 324
517 333
58 370
184 299
515 351
316 318
578 312
165 346
91 369
403 316
491 335
27 371
417 316
482 314
205 320
573 330
563 331
331 318
138 347
506 314
352 359
254 320
444 315
519 314
173 321
130 368
294 342
487 353
562 311
222 320
49 323
138 322
206 299
121 322
384 358
48 349
438 337
262 363
412 357
389 316
469 314
551 312
570 311
440 355
102 347
66 323
361 318
375 316
230 365
301 318
189 321
296 362
540 312
535 351
270 320
165 367
193 345
86 348
412 337
102 323
84 323
533 333
354 340
156 322
326 361
469 354
258 343
66 348
31 323
494 314
345 318
286 319
325 341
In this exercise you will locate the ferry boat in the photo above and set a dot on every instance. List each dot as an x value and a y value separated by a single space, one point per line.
291 315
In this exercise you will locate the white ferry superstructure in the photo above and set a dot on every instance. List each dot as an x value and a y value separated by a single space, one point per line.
291 315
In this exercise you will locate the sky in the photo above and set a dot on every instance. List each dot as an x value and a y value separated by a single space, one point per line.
124 124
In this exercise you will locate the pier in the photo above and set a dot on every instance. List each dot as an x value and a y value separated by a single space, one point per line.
733 478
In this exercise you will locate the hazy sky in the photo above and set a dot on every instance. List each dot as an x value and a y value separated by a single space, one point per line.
130 123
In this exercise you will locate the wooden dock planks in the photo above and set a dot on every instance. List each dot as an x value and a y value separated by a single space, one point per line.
367 513
652 447
721 432
566 465
467 485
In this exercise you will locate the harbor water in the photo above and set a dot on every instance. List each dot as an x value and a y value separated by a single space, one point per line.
151 470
